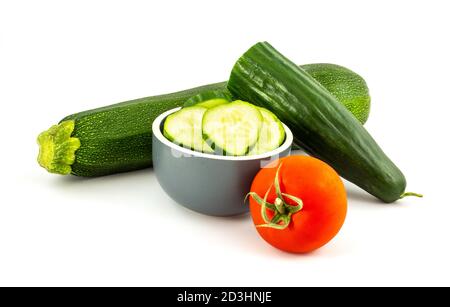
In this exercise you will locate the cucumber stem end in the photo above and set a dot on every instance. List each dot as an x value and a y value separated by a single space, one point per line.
410 194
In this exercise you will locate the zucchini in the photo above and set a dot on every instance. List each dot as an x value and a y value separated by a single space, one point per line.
319 122
348 87
114 138
111 139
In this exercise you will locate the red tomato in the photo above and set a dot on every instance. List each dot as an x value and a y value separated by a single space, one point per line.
308 185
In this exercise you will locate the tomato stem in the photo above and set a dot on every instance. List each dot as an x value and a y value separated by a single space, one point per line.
282 210
279 204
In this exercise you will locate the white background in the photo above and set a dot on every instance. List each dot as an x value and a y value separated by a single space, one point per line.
61 57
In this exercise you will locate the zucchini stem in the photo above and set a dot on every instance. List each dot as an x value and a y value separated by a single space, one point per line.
410 194
57 148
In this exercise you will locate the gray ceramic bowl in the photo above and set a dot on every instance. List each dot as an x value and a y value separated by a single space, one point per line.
207 183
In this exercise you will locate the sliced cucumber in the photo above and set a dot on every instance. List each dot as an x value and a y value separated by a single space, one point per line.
208 104
204 97
184 128
233 127
271 135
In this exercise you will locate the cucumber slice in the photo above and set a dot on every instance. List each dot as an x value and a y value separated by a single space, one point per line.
271 135
184 128
208 104
207 96
233 127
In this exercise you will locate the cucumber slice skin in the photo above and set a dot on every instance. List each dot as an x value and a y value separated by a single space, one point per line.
233 128
271 135
184 128
201 97
208 104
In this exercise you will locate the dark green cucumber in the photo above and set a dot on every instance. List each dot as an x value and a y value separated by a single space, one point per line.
319 122
116 138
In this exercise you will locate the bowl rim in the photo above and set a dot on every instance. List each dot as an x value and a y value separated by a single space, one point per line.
156 130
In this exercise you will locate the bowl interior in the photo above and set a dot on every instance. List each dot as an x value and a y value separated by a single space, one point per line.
157 128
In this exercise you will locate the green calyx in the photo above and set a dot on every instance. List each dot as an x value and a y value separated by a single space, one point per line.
282 210
57 148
